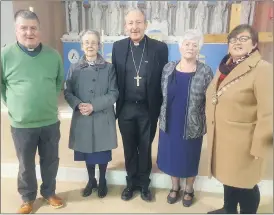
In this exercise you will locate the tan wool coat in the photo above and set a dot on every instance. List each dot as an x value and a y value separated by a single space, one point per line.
240 123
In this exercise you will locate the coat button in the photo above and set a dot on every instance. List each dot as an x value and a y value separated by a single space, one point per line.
212 122
93 79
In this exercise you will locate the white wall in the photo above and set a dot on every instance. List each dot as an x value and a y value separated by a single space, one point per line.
7 26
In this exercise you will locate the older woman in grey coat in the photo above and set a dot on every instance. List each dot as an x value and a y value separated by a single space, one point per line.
182 118
91 92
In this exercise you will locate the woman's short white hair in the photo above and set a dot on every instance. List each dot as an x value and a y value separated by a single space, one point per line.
192 34
90 31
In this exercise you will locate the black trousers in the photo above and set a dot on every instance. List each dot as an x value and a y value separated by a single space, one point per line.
135 128
26 141
249 199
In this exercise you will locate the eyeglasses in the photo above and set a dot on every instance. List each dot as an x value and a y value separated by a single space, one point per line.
241 39
86 43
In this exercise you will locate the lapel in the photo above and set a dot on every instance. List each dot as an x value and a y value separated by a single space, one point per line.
152 64
123 52
171 87
215 82
241 69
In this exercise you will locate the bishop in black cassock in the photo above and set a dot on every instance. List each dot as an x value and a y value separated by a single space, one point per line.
138 61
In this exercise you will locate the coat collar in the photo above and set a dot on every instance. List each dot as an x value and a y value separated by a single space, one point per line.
241 69
100 62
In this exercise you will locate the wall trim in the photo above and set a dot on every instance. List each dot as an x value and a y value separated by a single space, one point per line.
117 177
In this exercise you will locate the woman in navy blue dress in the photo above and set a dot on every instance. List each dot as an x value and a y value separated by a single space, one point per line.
182 118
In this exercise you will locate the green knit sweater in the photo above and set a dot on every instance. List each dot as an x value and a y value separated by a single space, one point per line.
31 85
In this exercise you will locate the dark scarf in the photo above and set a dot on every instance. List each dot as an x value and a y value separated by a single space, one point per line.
226 67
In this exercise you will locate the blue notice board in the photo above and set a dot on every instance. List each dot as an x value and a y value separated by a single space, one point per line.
211 54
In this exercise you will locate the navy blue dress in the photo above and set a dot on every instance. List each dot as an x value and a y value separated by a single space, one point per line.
93 158
177 156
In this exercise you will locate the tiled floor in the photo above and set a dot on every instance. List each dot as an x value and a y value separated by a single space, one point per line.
70 192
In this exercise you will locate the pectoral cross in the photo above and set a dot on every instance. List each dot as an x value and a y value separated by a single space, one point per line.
138 78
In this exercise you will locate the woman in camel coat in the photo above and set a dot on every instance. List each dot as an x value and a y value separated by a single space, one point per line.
239 115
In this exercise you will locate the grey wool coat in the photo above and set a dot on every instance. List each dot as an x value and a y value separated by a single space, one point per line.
94 84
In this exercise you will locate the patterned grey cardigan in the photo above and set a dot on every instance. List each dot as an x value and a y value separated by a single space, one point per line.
195 125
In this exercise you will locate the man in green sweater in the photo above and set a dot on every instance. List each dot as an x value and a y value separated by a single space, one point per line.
32 78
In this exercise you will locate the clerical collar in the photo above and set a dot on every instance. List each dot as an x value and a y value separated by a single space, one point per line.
141 42
37 49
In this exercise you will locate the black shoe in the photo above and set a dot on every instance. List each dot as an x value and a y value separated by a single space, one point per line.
102 189
188 203
219 211
92 184
127 193
172 200
146 194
